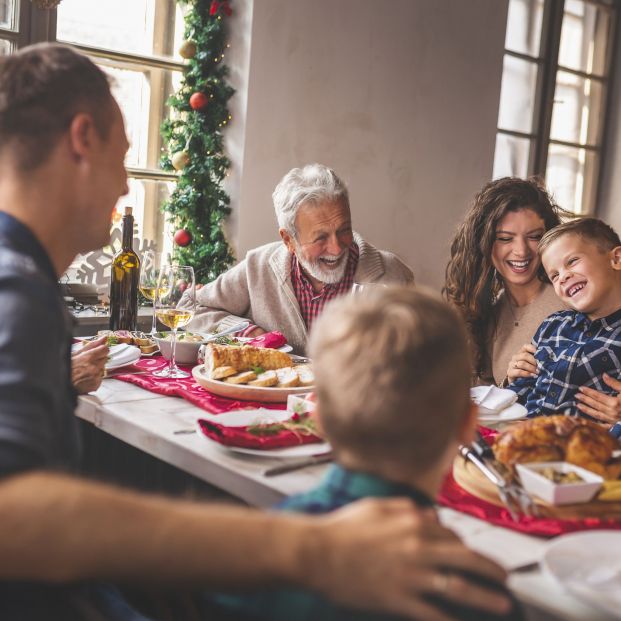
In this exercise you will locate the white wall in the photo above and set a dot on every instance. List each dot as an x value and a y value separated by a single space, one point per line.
400 98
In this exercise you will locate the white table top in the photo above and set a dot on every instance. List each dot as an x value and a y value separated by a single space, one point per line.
159 426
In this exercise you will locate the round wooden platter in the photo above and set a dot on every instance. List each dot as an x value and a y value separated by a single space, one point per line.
245 392
473 481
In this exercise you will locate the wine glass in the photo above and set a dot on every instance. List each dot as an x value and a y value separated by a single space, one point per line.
174 282
149 274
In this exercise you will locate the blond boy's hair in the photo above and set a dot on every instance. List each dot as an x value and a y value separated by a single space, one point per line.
392 370
590 229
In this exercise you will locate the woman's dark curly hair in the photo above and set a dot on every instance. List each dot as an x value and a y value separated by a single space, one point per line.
471 283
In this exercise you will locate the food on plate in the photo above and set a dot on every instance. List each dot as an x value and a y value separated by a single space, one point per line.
306 375
188 337
559 438
115 337
287 377
562 478
267 379
244 358
139 339
241 378
255 366
611 491
222 372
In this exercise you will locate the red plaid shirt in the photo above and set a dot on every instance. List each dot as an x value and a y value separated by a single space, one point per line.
311 303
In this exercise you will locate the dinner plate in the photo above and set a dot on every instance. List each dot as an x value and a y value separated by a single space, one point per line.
245 392
513 412
303 450
588 564
128 355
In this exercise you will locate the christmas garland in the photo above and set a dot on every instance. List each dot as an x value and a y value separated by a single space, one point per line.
198 205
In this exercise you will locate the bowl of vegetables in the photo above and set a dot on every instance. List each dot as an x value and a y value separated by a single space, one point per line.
186 350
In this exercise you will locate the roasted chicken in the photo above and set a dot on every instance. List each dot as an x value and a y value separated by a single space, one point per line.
560 438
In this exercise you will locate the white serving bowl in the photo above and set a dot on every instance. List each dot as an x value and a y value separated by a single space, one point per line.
559 493
186 352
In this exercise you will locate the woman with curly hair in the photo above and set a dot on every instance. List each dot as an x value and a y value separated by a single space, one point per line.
495 278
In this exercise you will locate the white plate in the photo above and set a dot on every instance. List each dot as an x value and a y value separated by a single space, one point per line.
243 418
588 564
304 450
513 412
128 355
245 392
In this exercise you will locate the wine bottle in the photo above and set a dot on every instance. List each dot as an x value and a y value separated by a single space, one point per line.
124 280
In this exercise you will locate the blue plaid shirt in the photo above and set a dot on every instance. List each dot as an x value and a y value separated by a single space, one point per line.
572 351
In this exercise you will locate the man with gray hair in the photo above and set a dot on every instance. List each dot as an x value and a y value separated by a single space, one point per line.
285 286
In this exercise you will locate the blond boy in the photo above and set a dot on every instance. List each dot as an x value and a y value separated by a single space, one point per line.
578 350
393 374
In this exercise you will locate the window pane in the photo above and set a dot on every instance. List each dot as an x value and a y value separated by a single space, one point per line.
145 27
5 47
7 14
142 93
577 109
517 95
147 198
511 156
524 26
571 175
585 37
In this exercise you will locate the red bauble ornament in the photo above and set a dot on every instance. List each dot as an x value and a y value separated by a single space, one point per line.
183 238
198 101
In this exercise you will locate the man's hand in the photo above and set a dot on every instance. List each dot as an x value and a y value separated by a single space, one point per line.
606 408
523 364
256 332
387 555
87 366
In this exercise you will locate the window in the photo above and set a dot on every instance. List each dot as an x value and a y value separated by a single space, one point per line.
139 52
555 84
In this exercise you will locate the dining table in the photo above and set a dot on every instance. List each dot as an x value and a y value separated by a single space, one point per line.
166 428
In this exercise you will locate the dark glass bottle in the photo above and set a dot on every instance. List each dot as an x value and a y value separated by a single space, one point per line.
124 280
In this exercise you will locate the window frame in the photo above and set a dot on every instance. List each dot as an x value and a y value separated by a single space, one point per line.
33 25
548 68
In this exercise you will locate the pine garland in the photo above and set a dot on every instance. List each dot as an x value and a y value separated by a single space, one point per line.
198 205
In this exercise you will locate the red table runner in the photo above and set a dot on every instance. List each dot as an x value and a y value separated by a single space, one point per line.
187 388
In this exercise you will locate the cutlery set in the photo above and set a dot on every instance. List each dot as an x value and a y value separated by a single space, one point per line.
510 491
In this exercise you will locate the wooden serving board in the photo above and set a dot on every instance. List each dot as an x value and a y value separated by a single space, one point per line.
474 482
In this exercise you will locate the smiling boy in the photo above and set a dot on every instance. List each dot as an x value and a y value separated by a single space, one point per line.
577 349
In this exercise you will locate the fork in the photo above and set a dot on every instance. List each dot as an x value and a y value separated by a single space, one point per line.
515 489
515 499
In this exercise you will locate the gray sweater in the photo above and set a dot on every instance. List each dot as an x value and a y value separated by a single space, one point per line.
259 289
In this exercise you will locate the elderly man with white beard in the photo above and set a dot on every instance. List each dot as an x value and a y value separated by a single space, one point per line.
285 285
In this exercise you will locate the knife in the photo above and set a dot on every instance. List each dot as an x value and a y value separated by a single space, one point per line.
298 464
494 476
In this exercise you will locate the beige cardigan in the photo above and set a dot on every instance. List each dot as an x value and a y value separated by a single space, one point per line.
259 289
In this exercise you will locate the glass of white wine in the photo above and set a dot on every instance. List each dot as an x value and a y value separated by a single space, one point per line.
149 275
174 282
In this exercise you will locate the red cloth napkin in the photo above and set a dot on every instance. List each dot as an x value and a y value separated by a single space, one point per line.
272 340
454 496
242 437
